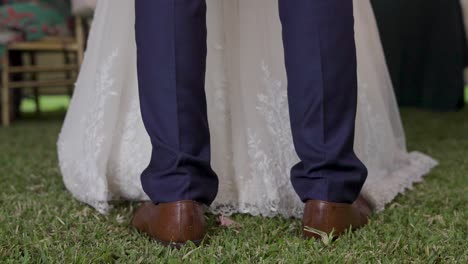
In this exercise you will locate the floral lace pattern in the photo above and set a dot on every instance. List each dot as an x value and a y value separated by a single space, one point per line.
93 141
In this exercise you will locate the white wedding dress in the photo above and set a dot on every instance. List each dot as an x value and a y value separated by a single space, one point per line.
103 146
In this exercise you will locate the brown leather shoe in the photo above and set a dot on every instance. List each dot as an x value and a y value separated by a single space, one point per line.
171 224
339 217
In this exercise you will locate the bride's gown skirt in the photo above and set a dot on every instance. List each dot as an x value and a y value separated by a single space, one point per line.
103 146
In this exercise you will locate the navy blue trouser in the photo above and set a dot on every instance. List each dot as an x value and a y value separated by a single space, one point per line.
320 59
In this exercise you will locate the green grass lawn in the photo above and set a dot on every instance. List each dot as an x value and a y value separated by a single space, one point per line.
466 94
48 103
41 222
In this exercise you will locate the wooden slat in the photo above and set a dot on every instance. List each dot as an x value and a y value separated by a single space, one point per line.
57 39
45 83
5 92
44 46
26 69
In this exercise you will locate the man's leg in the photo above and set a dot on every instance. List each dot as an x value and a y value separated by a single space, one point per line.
320 57
171 54
320 60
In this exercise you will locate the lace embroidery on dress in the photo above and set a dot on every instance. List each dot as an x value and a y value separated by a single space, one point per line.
83 175
129 154
391 170
219 114
269 162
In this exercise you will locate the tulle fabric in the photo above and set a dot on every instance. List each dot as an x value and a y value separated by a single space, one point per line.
103 146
